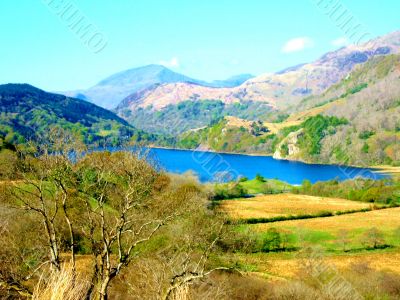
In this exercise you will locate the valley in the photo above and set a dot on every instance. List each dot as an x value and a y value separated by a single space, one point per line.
164 181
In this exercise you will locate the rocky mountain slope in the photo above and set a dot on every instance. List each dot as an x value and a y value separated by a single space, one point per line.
109 92
356 122
279 90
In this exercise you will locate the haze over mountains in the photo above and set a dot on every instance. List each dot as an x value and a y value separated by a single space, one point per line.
109 92
156 86
278 90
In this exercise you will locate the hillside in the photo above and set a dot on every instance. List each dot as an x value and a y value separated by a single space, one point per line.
280 90
354 122
189 115
369 100
231 135
109 92
28 113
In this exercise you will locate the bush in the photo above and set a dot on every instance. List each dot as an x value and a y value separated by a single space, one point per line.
260 178
243 179
373 239
272 240
366 134
229 191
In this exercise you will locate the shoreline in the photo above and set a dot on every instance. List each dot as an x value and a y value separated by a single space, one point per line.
211 151
384 169
380 169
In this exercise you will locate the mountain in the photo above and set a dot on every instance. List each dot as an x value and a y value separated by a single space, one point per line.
231 81
279 90
369 99
28 113
187 115
109 92
354 122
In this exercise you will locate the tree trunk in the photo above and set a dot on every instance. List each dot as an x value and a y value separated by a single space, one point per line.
103 289
71 235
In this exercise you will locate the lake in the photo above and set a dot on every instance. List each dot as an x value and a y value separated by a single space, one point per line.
210 166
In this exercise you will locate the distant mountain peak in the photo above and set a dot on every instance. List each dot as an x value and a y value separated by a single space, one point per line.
125 76
109 92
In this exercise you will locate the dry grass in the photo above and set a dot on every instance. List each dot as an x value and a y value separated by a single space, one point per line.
289 268
276 127
60 286
303 115
238 122
385 219
286 204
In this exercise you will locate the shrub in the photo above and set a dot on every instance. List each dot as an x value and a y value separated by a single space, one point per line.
229 191
373 239
272 240
366 134
260 178
243 179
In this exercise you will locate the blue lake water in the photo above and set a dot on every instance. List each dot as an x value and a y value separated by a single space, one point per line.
210 166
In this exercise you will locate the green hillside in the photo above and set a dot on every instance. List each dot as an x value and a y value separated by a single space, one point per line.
27 113
191 114
354 122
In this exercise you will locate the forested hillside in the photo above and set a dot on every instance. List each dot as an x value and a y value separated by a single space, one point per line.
354 122
187 115
27 113
369 99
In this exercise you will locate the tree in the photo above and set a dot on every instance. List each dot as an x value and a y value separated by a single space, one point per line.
343 239
47 187
272 240
181 254
260 178
306 186
373 238
189 259
126 206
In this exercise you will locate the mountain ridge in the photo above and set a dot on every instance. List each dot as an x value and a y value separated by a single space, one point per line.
287 87
354 122
109 92
29 112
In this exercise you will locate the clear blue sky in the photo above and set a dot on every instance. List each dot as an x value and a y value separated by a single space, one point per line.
207 39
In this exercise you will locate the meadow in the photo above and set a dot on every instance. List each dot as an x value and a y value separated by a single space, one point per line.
115 227
267 206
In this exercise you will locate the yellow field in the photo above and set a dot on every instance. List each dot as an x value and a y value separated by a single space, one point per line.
384 219
279 267
268 206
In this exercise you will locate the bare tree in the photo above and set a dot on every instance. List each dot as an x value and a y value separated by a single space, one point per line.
127 203
343 239
46 187
373 238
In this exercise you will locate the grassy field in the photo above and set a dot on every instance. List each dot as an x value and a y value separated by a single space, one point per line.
340 238
255 186
267 206
329 233
385 220
279 266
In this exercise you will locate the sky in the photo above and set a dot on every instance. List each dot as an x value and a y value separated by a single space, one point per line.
43 44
